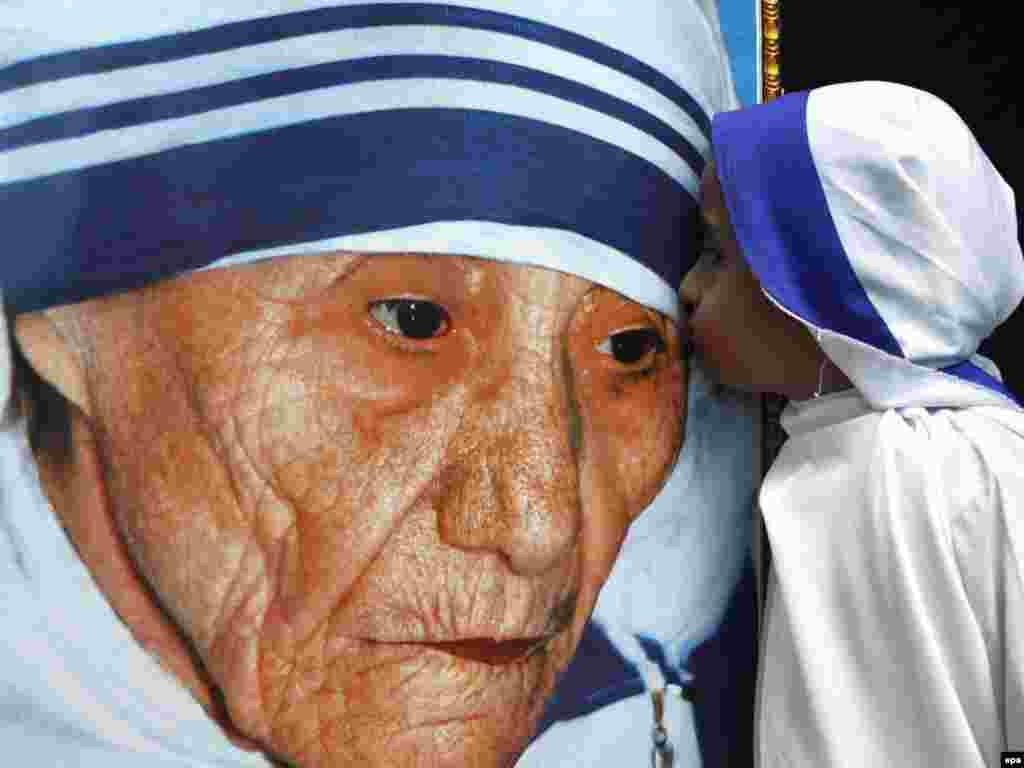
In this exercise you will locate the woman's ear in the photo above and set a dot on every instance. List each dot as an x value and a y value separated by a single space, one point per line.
56 358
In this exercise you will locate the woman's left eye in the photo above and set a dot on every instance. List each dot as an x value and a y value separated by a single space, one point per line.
411 318
632 346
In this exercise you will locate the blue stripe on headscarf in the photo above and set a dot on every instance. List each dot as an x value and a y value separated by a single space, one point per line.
968 371
149 109
268 29
782 220
125 223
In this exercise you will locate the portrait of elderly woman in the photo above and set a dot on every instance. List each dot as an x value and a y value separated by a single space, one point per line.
342 347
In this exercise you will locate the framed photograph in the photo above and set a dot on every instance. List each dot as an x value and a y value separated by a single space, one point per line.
185 137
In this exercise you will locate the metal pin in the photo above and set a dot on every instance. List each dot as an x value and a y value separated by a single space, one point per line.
662 752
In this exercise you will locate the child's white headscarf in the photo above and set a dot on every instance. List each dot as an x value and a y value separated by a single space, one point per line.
869 212
142 140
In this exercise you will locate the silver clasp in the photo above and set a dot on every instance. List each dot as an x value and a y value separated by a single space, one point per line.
662 752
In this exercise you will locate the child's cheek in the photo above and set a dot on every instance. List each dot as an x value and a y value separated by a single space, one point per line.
714 347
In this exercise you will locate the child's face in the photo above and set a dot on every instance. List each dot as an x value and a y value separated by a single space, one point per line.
739 335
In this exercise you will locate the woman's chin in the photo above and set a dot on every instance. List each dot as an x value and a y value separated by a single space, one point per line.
407 705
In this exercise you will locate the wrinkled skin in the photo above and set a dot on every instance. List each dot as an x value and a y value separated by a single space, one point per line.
340 519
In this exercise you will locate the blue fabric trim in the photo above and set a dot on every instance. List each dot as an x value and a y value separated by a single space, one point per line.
783 223
597 676
67 125
251 32
968 371
117 226
724 668
725 678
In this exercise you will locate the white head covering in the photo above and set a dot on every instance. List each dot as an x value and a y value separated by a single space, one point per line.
869 212
138 141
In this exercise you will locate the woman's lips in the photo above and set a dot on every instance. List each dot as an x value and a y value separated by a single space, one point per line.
487 650
493 652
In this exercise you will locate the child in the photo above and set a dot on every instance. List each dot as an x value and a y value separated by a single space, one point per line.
867 246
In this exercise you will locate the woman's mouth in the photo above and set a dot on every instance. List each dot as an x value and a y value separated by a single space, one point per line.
493 652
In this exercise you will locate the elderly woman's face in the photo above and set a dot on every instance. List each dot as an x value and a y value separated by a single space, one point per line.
379 495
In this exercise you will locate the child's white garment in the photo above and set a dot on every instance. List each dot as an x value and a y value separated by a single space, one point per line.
894 627
895 623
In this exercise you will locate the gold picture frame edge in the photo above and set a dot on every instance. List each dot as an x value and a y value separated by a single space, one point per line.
771 54
772 433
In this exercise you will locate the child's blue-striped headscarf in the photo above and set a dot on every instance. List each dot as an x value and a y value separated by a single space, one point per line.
139 141
869 212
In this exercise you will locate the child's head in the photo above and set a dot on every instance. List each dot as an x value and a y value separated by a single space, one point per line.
744 339
863 219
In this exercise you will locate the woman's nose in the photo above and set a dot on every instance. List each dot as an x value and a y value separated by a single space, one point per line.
514 487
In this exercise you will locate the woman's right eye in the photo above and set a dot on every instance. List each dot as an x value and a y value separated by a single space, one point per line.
411 318
633 346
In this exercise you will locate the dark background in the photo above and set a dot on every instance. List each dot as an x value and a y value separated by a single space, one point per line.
965 55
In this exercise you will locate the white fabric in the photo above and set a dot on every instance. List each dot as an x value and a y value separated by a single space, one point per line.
887 381
929 227
926 220
672 40
326 47
894 629
895 622
349 99
532 246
